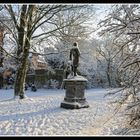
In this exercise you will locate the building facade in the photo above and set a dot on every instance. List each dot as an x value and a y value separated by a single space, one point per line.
37 62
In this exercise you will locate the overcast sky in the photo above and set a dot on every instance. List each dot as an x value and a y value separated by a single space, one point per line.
100 13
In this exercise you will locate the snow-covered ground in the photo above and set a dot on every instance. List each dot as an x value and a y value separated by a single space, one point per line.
40 114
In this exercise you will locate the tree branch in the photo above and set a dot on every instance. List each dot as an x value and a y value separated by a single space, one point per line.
11 12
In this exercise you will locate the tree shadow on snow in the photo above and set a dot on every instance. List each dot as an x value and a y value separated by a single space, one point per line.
43 112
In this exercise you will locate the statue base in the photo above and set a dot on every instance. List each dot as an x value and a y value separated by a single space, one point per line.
74 95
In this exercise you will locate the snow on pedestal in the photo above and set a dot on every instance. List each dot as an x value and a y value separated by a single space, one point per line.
75 93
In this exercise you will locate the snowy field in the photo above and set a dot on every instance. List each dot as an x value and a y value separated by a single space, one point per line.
40 114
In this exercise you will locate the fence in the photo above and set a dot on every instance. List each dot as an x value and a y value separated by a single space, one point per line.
43 78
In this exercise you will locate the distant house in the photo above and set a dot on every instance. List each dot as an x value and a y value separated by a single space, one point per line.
37 70
37 62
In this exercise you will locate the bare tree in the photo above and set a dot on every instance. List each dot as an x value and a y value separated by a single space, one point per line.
108 60
29 23
123 21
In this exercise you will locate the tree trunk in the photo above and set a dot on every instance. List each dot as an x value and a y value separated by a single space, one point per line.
1 80
21 77
24 38
108 74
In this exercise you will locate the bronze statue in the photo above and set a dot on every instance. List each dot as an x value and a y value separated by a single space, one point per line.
74 57
73 83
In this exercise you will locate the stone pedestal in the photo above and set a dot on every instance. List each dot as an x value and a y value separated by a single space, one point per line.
75 93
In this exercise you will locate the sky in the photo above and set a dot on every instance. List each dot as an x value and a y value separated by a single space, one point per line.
102 10
100 13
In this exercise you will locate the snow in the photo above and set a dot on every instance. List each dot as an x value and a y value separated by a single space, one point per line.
75 78
40 114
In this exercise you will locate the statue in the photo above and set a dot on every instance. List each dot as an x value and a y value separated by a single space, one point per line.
74 57
73 83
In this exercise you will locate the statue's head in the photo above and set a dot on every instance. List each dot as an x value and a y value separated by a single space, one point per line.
75 44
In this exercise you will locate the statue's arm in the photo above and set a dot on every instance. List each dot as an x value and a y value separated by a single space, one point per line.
78 51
